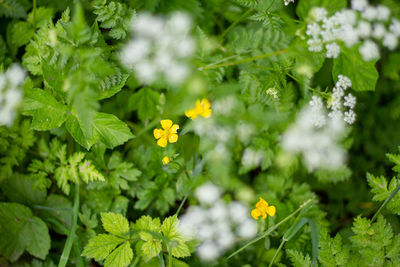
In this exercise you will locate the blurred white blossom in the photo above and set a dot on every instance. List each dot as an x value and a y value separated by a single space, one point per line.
10 93
364 25
217 225
160 48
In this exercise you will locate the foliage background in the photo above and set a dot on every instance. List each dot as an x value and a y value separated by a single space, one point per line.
77 82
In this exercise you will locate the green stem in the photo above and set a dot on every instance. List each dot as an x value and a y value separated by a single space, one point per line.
270 230
161 257
182 203
244 60
245 14
385 203
70 239
277 251
34 13
169 257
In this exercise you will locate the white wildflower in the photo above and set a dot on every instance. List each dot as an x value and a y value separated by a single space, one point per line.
395 27
364 29
369 13
251 158
379 30
359 5
382 13
319 13
390 41
207 193
315 45
332 50
350 101
369 50
349 116
160 48
343 82
287 2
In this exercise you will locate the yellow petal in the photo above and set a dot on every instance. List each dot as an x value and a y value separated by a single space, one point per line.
174 128
157 133
189 113
162 142
262 203
172 138
271 210
166 124
264 215
255 214
205 103
165 160
206 113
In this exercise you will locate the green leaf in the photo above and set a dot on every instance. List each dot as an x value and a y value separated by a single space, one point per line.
100 246
298 259
145 102
115 224
110 130
88 172
73 127
26 232
46 111
120 257
363 75
19 34
176 242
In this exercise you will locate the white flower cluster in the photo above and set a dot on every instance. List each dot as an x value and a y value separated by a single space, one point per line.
341 106
319 146
159 48
287 2
216 224
10 93
363 24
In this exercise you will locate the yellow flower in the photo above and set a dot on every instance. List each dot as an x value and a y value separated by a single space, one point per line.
166 160
168 133
203 108
262 209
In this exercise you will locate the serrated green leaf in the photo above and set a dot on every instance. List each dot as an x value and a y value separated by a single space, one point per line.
120 257
115 224
46 111
100 246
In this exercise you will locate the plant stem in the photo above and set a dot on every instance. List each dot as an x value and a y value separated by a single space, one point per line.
161 257
34 12
181 205
70 239
169 257
277 251
245 14
270 230
243 60
385 203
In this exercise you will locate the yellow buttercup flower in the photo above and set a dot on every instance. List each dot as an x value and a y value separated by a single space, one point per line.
262 209
203 108
166 160
168 133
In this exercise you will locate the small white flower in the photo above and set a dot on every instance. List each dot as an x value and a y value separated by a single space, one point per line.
315 45
382 13
390 41
395 27
359 5
319 13
207 193
15 75
349 117
313 30
343 82
147 25
370 13
180 23
247 229
364 29
332 50
379 30
287 2
350 101
208 251
369 50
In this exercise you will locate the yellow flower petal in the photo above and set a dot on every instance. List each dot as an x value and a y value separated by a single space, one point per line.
166 124
189 113
205 103
172 138
206 113
255 214
162 142
264 215
157 133
271 210
174 128
166 160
